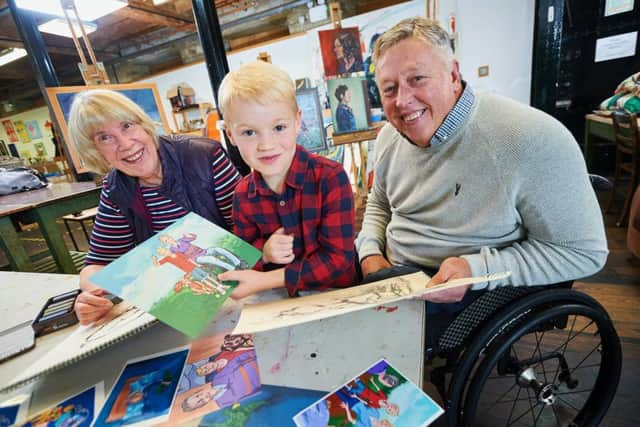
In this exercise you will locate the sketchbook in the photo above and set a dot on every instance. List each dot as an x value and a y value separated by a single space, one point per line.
174 274
278 314
120 323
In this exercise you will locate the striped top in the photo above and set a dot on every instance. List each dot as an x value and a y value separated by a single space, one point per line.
112 235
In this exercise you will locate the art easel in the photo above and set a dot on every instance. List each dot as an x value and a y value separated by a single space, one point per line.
92 73
351 138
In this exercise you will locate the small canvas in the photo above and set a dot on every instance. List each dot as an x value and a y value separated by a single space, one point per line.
78 411
10 130
221 371
174 274
349 104
311 134
21 130
144 391
272 406
380 396
341 51
33 128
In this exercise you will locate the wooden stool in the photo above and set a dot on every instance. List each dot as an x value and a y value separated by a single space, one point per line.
81 217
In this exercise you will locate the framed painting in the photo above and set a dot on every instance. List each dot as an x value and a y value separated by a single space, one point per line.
312 135
10 130
144 94
21 131
349 104
341 51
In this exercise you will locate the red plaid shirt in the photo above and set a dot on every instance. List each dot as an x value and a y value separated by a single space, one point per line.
316 207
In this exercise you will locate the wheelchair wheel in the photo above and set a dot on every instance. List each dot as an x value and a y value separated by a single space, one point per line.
559 366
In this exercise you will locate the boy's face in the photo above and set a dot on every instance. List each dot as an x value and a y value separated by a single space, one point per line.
266 137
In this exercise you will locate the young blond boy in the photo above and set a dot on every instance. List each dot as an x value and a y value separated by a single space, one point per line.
295 206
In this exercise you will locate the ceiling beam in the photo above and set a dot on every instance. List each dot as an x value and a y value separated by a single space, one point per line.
142 12
57 50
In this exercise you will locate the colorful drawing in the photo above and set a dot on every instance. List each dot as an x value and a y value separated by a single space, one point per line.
144 390
174 275
349 104
341 51
4 150
40 150
311 134
380 397
14 410
10 131
33 129
25 154
77 411
221 371
272 406
21 130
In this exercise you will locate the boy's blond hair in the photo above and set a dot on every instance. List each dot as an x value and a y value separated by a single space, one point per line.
90 111
257 81
423 29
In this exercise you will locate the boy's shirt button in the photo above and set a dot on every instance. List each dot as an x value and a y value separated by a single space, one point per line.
282 203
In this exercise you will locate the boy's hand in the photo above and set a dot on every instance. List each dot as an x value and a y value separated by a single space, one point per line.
278 249
248 282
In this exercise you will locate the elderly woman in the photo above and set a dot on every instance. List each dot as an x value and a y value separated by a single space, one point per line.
151 181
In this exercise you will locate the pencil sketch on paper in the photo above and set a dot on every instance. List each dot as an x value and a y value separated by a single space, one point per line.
278 314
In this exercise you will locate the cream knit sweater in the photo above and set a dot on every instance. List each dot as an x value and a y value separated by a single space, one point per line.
508 191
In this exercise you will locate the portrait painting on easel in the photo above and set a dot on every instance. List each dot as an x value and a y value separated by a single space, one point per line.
341 51
349 104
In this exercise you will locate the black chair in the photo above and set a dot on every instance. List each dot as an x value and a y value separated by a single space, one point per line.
625 126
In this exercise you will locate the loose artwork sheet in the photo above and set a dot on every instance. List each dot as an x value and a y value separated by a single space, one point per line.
14 410
144 392
380 396
174 274
271 406
77 411
220 371
277 314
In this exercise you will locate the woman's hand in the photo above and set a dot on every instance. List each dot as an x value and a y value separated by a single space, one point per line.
91 306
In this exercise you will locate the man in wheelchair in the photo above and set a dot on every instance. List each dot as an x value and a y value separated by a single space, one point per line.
469 184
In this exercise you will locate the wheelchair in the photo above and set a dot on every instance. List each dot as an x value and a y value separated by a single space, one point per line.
528 356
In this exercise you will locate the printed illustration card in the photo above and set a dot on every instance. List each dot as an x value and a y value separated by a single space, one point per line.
272 406
174 274
14 410
144 392
77 411
220 372
380 396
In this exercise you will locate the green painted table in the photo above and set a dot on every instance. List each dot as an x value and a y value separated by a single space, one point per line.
44 206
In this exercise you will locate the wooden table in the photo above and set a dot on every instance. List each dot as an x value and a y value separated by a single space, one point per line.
596 126
44 206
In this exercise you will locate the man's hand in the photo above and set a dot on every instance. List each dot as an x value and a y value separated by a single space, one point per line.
278 249
92 305
451 268
373 263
